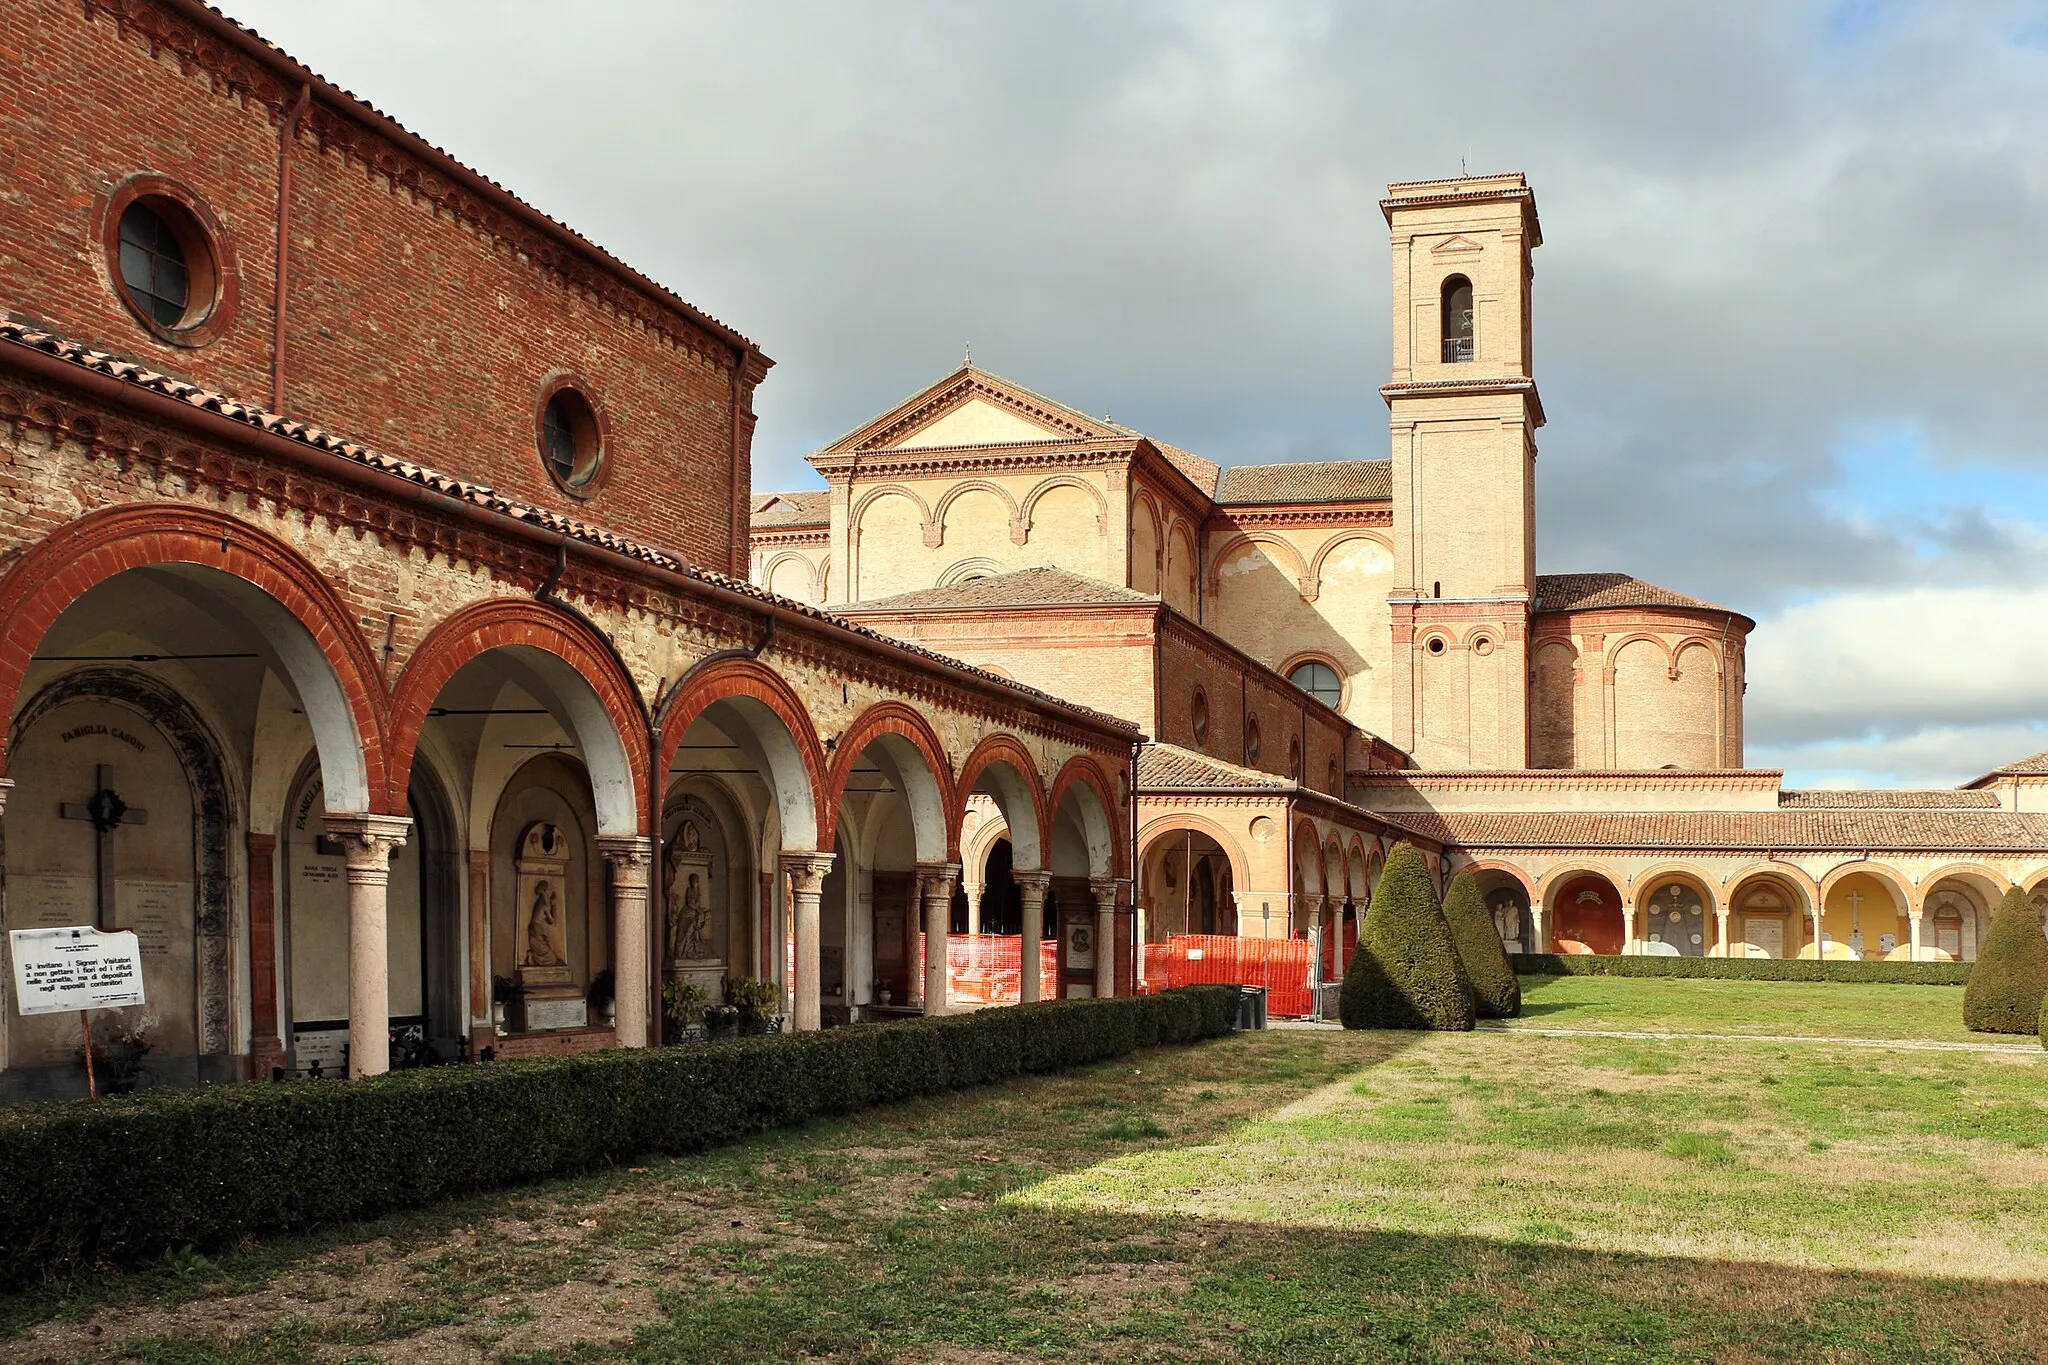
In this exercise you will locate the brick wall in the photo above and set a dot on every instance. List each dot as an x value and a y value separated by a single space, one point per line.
421 316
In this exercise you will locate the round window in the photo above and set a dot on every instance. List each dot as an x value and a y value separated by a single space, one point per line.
1294 759
571 440
1251 737
1482 646
1199 716
169 261
1320 681
1436 644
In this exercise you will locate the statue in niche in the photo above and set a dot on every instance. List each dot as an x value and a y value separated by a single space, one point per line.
544 929
686 900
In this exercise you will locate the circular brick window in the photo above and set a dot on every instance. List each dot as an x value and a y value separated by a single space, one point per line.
1251 737
1199 716
571 435
1436 644
169 260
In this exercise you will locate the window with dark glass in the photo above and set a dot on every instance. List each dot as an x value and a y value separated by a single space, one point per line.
154 269
569 439
1457 320
1320 681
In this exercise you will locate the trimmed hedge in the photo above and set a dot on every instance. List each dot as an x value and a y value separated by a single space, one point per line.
128 1177
1496 993
1405 972
2004 994
1746 969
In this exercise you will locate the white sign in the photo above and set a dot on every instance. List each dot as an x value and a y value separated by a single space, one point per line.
60 970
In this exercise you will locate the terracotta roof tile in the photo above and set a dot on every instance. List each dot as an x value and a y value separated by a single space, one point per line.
1200 472
1583 591
2034 765
1796 830
1163 766
1321 481
481 495
1042 587
1945 798
812 507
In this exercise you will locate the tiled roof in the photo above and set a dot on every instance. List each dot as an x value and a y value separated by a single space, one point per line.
1162 766
1322 481
1200 472
1044 587
1581 591
308 75
142 378
1787 831
2034 765
812 507
1945 798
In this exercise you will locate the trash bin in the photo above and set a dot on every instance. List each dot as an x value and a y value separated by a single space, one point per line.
1251 1007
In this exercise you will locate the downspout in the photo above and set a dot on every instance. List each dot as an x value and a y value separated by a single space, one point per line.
740 552
287 131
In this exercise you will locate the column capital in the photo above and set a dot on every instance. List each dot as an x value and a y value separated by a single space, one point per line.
367 841
6 786
945 872
1032 885
1106 889
807 870
631 855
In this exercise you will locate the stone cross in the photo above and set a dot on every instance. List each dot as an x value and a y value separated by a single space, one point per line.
107 812
1855 909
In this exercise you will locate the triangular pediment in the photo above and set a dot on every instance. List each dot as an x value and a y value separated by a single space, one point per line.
972 407
1460 242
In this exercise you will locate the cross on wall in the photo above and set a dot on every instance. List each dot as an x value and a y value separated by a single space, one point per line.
107 812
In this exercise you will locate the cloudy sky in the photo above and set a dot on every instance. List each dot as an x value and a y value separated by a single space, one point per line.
1789 319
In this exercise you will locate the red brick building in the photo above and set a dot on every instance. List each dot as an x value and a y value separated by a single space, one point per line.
374 631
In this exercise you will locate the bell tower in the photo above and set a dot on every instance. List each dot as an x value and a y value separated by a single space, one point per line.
1464 412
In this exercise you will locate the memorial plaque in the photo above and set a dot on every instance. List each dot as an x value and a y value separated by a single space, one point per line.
155 910
50 900
327 1046
79 967
556 1013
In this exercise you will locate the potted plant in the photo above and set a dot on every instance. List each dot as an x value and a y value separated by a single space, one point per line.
682 1005
754 1001
505 993
603 997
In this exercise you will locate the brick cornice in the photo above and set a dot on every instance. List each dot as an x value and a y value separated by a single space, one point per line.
946 461
1317 515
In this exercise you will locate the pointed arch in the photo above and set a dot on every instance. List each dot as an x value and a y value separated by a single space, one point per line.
311 630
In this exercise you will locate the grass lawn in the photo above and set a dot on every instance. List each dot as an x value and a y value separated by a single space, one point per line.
1809 1009
1286 1196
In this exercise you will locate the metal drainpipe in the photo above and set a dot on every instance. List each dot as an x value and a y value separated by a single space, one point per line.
287 131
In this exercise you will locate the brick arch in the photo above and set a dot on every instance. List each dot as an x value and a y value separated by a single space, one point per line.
781 557
1083 769
1038 490
99 545
1999 881
1552 880
1313 576
1003 748
734 677
1354 871
1180 822
1900 883
1306 838
1703 881
1505 868
507 622
891 718
935 524
1213 579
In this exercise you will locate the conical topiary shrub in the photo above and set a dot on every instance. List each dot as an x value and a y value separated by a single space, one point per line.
1405 972
1496 994
2011 975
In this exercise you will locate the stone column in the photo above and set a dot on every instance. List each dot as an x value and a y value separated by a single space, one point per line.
1031 889
367 841
936 882
631 857
972 890
6 786
266 1044
1913 930
1816 928
1105 889
807 887
1539 927
1312 924
481 1033
1628 925
1721 944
